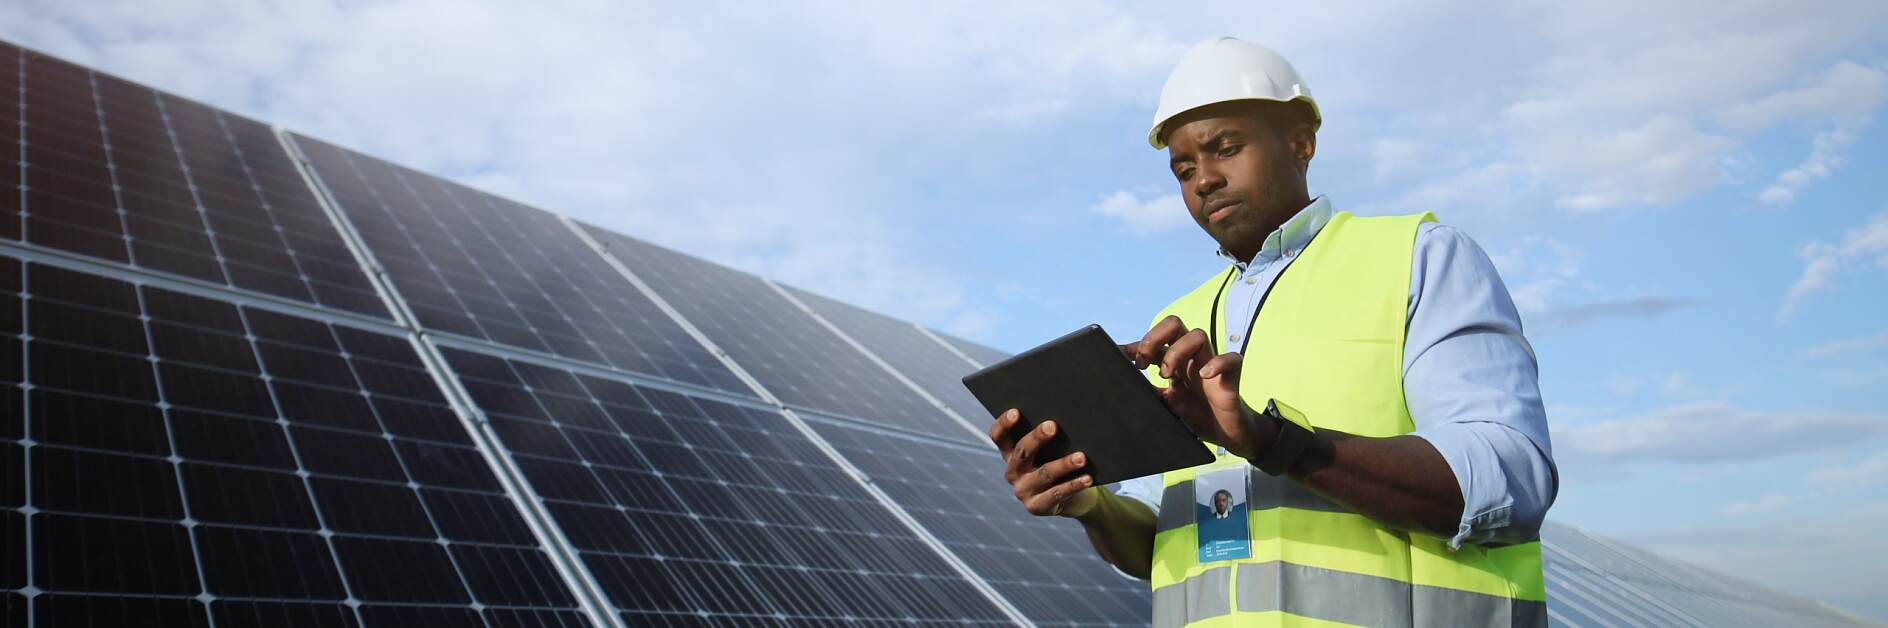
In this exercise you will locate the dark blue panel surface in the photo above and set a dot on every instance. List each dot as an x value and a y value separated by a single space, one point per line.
1044 565
480 266
690 510
797 359
117 171
175 459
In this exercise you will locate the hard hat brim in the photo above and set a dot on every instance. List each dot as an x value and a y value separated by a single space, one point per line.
1156 137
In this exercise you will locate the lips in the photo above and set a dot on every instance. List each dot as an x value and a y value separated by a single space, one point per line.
1219 208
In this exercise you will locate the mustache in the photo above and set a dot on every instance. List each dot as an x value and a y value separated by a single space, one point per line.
1216 201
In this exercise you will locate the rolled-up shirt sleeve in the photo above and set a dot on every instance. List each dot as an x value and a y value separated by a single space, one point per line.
1472 387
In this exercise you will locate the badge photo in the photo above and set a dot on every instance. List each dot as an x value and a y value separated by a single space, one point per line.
1219 512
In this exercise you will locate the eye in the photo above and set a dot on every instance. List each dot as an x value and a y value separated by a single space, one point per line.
1229 150
1183 173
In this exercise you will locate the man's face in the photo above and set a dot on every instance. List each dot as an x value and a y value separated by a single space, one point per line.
1222 503
1240 179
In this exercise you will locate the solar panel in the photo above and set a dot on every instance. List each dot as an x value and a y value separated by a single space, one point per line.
1043 565
117 171
790 353
176 459
930 365
689 509
479 266
1595 582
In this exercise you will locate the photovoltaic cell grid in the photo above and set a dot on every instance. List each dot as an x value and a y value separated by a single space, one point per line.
693 511
479 266
176 460
1043 565
1596 583
984 355
797 359
116 171
922 360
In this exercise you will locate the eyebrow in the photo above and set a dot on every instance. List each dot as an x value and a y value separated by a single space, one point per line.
1218 137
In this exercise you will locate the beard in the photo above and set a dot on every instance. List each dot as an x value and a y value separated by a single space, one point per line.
1255 214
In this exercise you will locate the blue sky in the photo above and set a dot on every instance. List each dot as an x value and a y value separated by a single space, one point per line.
1686 198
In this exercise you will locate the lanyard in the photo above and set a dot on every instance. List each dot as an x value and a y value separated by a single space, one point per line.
1251 326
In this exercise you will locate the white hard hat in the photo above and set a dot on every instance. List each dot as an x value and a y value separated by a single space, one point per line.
1224 70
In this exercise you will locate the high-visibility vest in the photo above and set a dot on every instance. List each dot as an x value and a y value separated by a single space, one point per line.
1328 341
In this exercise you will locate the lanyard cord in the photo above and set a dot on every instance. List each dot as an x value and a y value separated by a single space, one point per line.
1213 315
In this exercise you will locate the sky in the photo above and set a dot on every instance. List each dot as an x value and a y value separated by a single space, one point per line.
1685 198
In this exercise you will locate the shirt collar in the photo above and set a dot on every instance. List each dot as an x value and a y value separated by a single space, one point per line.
1289 237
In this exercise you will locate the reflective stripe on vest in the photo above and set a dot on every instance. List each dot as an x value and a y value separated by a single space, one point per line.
1329 341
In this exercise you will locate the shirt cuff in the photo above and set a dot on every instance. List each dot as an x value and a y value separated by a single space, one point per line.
1487 506
1145 490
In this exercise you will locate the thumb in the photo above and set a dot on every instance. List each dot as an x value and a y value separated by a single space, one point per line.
1223 370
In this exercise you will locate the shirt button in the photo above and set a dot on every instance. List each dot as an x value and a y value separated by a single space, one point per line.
1234 337
1251 280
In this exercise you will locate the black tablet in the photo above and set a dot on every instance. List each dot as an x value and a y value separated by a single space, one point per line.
1100 403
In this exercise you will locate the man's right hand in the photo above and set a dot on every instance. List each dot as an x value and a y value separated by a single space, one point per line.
1045 489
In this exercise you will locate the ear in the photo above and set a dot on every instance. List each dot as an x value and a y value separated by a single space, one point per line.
1303 144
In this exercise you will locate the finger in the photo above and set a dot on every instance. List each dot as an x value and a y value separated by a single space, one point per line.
1153 345
1048 474
1031 443
1223 370
1001 431
1186 355
1044 503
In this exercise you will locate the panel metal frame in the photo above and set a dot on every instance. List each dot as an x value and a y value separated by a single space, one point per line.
947 345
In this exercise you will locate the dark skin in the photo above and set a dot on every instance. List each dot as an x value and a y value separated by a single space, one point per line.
1242 175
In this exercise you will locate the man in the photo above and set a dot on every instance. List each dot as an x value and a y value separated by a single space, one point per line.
1222 503
1377 402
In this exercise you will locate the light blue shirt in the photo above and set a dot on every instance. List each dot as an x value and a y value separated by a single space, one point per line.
1469 377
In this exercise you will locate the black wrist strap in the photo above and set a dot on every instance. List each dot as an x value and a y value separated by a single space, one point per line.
1290 443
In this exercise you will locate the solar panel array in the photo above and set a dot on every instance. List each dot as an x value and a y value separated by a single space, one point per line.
263 380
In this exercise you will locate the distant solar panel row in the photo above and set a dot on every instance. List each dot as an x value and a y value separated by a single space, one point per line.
119 172
178 459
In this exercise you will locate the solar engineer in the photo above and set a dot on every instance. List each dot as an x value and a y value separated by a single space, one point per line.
1365 381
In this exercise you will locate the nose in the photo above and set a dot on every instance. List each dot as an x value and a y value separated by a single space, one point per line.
1207 180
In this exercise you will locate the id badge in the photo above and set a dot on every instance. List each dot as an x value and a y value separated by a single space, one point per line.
1219 514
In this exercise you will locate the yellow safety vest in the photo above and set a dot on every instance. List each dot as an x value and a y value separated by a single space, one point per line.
1329 341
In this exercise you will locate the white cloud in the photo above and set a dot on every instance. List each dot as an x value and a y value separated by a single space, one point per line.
1766 504
1714 432
1879 340
1869 470
1143 215
1823 261
1617 108
1659 162
1825 155
1847 91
